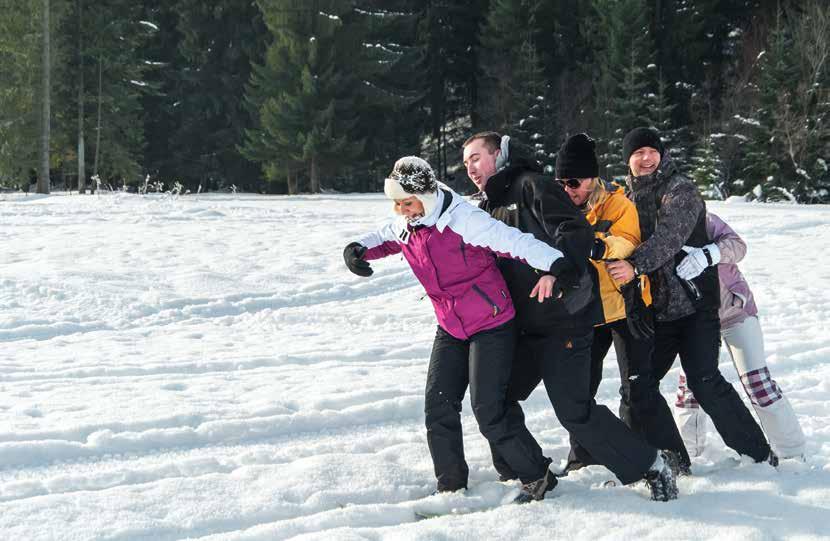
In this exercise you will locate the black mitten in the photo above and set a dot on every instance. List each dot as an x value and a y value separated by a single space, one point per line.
567 277
639 316
353 255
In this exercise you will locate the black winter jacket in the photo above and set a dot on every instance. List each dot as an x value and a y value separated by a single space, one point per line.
521 196
672 214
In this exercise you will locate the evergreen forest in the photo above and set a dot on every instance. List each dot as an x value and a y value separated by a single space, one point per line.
308 96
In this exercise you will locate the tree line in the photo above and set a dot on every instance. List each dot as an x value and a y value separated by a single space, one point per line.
288 96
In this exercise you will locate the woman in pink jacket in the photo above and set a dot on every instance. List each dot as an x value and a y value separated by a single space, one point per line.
741 332
451 247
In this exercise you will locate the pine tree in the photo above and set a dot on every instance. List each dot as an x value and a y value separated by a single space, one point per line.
19 48
313 72
627 76
448 64
521 98
661 117
707 170
391 90
106 69
219 41
763 166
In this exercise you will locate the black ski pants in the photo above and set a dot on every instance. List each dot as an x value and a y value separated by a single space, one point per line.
642 407
563 361
696 338
484 361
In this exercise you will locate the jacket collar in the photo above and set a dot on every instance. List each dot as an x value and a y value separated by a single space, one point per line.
518 161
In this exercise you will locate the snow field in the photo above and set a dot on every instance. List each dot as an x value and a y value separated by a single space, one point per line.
206 368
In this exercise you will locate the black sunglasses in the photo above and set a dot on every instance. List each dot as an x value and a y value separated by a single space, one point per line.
570 182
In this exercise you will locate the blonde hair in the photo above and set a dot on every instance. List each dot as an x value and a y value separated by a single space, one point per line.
598 193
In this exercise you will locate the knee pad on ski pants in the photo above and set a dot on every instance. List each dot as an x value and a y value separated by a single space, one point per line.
760 387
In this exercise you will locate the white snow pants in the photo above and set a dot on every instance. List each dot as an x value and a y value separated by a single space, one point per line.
745 343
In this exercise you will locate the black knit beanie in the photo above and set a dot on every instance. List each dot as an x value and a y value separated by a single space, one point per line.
577 158
639 138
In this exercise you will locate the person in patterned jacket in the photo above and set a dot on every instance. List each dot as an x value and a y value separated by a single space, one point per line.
741 332
451 247
673 215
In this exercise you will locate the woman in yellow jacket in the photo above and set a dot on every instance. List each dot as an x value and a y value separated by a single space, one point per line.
627 320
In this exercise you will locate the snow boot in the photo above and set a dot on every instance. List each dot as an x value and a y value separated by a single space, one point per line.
573 465
679 467
660 479
535 490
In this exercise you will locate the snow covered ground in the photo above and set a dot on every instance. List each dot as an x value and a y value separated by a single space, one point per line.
206 368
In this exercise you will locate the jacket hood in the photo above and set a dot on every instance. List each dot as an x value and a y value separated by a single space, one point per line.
519 160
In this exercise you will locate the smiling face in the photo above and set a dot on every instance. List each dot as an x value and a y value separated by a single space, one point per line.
480 162
644 161
410 208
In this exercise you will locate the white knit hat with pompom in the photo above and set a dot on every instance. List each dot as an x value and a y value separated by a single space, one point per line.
410 176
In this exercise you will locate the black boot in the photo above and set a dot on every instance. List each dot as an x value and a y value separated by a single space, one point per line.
660 480
679 467
535 490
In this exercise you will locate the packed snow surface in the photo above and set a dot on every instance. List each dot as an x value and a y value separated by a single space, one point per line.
205 367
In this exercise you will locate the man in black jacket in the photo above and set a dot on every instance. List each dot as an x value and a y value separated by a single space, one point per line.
555 336
673 215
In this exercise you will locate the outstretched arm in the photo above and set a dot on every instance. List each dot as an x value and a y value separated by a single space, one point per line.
381 243
478 228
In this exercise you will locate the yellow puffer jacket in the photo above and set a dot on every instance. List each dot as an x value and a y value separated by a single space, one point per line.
615 221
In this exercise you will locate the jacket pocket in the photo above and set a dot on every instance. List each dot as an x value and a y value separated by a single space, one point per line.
487 299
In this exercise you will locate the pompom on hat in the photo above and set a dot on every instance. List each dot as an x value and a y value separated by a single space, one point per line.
413 176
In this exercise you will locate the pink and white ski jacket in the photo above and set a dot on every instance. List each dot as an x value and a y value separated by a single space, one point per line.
453 254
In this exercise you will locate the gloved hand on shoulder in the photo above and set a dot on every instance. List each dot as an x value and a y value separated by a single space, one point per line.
353 255
697 260
638 316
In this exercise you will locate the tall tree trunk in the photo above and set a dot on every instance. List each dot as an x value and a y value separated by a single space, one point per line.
315 179
291 179
81 148
98 126
43 182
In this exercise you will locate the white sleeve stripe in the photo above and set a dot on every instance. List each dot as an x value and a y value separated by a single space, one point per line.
376 238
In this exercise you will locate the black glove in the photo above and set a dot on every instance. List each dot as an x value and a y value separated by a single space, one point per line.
598 249
353 255
567 277
639 316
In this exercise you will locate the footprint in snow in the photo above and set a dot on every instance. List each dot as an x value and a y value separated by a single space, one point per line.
174 387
